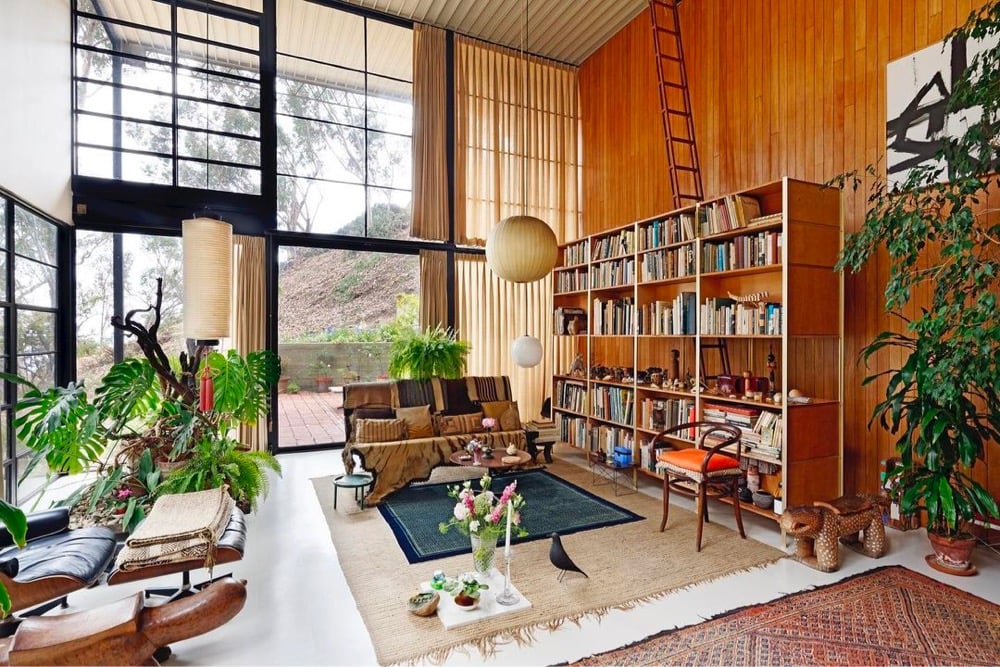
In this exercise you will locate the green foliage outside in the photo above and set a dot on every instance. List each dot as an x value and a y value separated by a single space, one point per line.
407 317
942 400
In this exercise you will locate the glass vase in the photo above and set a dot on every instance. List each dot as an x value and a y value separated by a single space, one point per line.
483 552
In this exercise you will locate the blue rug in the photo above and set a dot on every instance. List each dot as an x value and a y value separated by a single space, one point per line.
553 506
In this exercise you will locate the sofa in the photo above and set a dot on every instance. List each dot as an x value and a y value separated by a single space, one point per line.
400 430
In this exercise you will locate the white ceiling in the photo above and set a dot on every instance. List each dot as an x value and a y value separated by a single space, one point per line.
564 30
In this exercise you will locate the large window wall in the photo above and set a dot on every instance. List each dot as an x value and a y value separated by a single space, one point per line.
30 288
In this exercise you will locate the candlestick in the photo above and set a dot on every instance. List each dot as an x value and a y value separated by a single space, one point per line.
510 518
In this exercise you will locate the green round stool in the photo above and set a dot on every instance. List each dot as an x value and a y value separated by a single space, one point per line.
356 482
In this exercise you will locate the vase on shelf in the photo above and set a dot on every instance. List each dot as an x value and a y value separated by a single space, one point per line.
483 552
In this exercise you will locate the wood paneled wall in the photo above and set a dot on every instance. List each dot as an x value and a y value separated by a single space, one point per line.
778 87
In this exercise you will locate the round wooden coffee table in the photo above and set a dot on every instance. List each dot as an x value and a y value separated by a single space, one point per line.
495 463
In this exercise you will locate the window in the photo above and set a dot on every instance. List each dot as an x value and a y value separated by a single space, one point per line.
345 114
168 92
29 298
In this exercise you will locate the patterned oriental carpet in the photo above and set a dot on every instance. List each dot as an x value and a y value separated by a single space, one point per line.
559 507
886 616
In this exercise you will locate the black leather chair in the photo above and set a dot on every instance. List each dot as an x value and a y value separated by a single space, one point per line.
55 562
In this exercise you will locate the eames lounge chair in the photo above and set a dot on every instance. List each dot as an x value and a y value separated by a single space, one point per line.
701 471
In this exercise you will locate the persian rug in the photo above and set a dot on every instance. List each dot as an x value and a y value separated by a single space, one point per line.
886 616
627 564
414 513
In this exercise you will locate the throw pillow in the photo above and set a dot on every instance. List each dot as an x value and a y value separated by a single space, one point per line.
505 412
380 430
460 424
367 412
418 421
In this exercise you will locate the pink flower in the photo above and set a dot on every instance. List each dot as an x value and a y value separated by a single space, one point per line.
508 492
495 517
489 423
123 494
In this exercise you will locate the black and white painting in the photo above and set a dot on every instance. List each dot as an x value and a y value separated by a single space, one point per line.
918 88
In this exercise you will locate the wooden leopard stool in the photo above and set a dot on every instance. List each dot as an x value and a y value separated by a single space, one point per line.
817 530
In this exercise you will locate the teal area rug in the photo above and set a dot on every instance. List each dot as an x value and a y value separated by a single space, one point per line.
553 506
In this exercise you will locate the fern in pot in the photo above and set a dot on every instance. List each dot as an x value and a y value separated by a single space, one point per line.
941 400
436 352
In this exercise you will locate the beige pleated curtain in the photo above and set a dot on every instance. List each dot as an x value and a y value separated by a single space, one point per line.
249 315
433 289
492 157
430 164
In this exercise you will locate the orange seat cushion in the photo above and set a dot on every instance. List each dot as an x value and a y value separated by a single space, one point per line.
691 459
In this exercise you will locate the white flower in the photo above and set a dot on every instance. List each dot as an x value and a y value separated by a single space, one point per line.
473 526
490 496
461 512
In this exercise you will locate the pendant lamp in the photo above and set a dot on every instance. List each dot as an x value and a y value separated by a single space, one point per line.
526 351
522 248
208 279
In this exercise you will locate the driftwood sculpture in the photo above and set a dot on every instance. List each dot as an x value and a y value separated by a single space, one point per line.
819 529
123 632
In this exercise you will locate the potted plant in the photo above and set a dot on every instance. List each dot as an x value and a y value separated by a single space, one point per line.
323 375
941 399
468 591
283 384
436 352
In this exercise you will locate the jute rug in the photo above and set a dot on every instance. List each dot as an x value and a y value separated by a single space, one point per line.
414 513
886 616
628 564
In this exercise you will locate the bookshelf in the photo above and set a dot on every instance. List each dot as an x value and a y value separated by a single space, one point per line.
662 303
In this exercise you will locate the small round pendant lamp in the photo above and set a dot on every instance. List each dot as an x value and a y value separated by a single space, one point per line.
521 249
526 351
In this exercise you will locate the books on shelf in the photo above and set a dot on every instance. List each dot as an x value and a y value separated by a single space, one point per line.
663 264
669 318
760 429
722 316
727 214
613 403
571 281
742 252
613 317
613 273
604 438
572 429
570 396
659 233
613 245
661 414
576 253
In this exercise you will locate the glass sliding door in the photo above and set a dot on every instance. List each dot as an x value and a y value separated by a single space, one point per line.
338 311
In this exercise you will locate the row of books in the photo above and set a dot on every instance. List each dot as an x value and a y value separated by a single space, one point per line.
669 318
576 254
570 396
613 245
742 252
658 233
662 264
729 213
721 316
661 414
571 281
613 403
613 317
743 418
572 429
613 273
604 438
567 321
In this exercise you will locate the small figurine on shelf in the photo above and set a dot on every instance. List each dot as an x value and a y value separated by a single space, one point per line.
771 365
577 369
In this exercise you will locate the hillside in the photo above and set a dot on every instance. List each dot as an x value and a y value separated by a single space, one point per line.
321 289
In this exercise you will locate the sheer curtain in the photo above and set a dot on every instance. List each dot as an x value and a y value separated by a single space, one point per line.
493 113
430 167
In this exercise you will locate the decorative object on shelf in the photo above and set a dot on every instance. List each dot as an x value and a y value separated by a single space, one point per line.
818 530
559 558
437 580
675 364
526 351
763 499
577 369
941 398
424 604
755 297
482 517
753 478
468 591
575 326
772 364
511 450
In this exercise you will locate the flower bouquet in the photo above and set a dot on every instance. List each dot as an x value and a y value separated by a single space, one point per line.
483 517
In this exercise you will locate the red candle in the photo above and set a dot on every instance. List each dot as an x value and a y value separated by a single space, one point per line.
206 395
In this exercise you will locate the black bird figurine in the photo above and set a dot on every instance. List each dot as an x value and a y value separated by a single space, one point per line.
560 559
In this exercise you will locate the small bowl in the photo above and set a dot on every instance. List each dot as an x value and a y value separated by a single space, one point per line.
424 604
763 500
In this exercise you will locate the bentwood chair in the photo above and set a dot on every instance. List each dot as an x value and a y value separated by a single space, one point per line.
702 471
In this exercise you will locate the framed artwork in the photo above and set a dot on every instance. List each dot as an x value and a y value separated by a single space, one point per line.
918 88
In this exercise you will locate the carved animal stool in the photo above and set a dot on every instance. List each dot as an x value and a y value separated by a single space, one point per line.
817 530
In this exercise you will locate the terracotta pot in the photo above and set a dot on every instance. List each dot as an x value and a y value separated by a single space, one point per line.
283 384
463 601
952 553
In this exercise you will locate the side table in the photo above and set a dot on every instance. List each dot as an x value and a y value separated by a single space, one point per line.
358 482
540 434
603 472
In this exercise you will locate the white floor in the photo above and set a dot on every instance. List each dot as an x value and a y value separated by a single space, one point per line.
300 610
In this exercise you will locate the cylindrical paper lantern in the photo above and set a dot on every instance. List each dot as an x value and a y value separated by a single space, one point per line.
526 351
208 278
521 249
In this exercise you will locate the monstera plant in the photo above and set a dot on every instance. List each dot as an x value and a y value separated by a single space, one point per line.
147 429
942 242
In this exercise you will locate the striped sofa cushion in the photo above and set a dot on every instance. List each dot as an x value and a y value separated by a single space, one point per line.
380 430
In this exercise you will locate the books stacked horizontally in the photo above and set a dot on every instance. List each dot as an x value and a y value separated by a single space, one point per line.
760 430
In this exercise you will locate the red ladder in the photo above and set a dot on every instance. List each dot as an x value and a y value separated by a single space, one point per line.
675 104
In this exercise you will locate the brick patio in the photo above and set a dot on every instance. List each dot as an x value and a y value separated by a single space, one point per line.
309 418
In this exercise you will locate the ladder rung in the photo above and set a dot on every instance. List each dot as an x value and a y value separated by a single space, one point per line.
667 31
679 112
667 56
681 140
681 167
671 84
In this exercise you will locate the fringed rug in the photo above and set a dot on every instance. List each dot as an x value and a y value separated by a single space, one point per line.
628 564
414 513
886 616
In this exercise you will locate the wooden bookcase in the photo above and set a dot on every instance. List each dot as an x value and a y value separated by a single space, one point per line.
657 294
